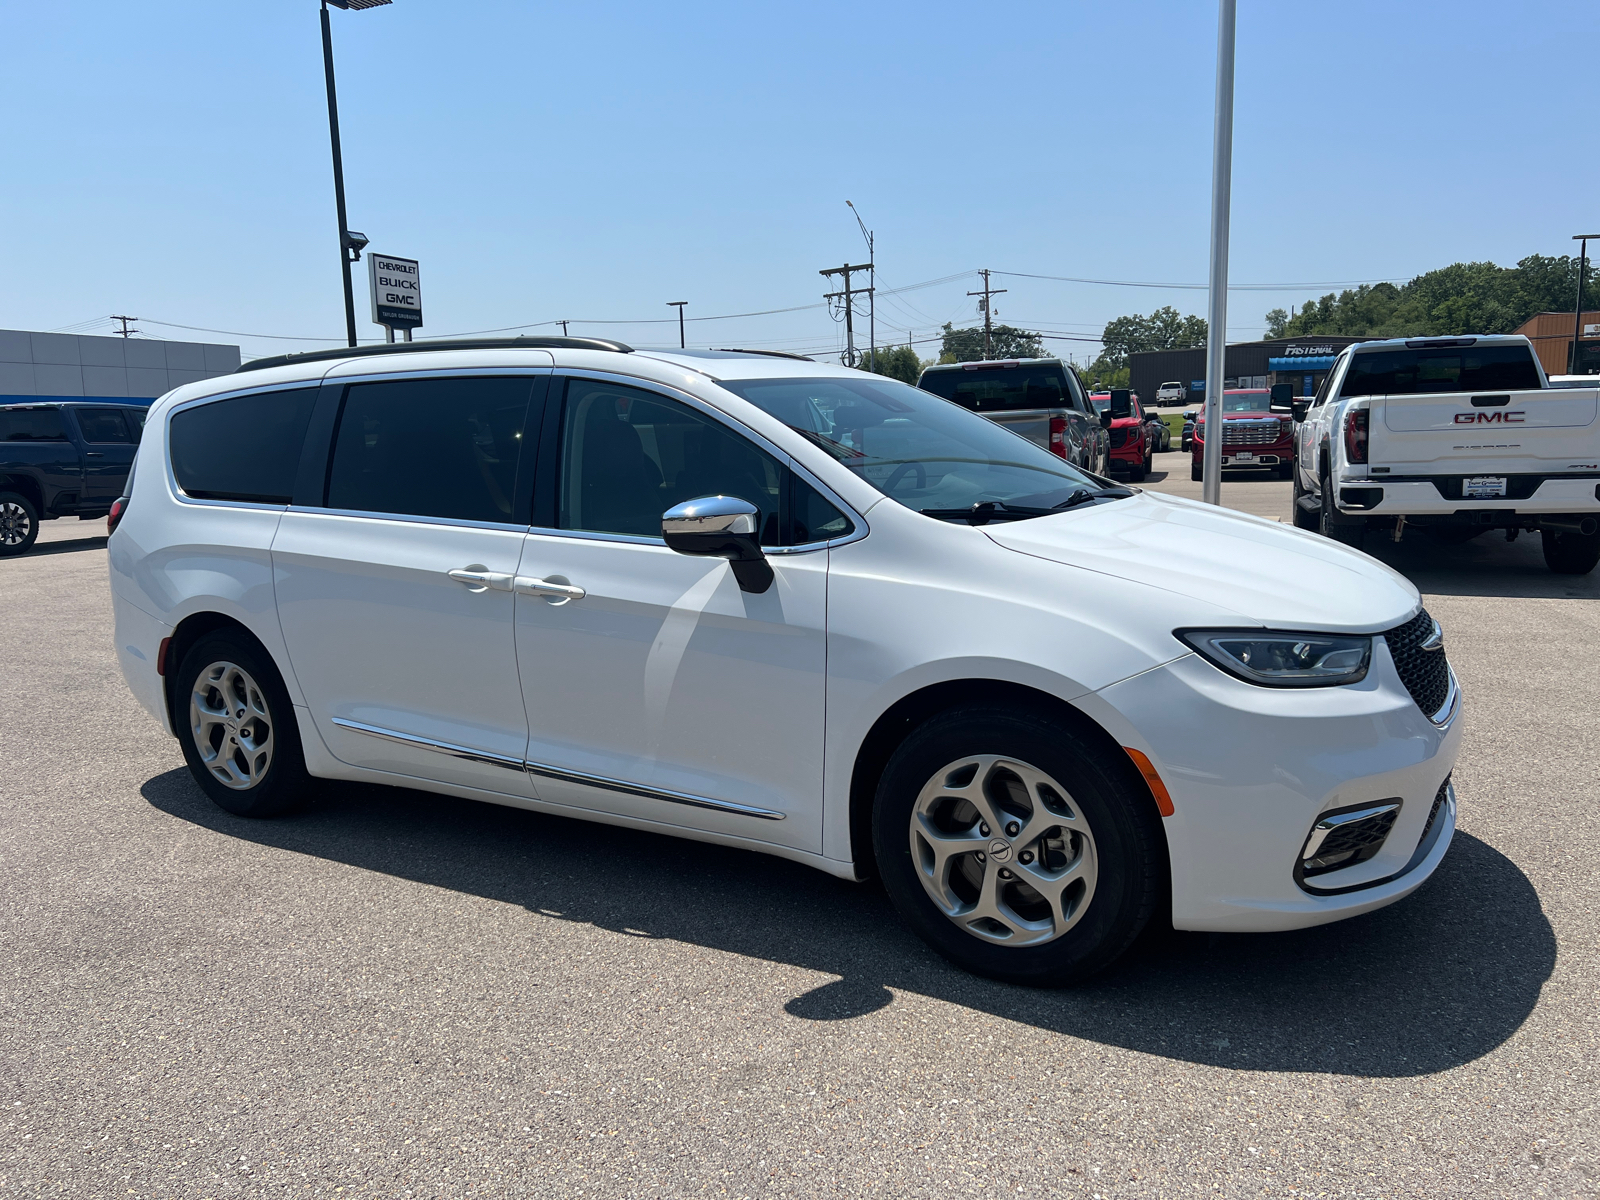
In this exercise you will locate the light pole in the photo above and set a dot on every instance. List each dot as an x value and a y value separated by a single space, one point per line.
350 243
678 304
1217 308
1577 305
872 296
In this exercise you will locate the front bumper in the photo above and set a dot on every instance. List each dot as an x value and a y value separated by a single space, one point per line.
1250 770
1271 455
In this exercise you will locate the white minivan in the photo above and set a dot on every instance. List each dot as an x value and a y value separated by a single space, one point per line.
790 607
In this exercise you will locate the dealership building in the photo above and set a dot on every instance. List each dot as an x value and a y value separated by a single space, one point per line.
1301 362
63 366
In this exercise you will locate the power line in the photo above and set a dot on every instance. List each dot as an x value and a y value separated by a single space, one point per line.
1200 287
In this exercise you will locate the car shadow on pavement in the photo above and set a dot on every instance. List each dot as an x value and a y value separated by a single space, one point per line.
1430 983
1488 565
66 546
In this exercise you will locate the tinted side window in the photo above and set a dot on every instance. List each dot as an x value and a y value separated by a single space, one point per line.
1079 397
628 455
32 425
814 519
246 448
103 425
996 388
430 447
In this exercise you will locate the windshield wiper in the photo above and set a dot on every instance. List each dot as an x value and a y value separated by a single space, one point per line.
1086 495
998 510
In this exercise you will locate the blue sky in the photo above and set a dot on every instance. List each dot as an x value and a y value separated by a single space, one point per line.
595 161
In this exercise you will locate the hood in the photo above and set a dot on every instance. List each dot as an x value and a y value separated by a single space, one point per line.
1268 573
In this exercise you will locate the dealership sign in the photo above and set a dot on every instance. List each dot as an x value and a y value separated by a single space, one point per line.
396 291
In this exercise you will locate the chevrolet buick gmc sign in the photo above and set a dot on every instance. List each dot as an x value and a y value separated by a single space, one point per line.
396 290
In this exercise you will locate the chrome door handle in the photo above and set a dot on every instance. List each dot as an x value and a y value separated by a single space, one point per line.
480 581
556 593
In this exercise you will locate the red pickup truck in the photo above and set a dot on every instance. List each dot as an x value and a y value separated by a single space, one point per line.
1132 442
1253 435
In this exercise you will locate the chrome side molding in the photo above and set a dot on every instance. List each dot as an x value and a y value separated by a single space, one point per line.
540 770
465 753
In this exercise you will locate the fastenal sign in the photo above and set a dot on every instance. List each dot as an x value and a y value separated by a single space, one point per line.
396 290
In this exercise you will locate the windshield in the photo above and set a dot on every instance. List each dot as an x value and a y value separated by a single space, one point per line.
925 452
1246 401
1417 371
1000 387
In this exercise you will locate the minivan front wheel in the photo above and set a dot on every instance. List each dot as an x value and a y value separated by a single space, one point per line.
237 727
1012 850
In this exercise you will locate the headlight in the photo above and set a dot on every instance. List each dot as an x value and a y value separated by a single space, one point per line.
1284 659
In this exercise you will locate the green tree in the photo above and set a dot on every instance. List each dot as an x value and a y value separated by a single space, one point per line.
897 362
1005 341
1164 329
1460 298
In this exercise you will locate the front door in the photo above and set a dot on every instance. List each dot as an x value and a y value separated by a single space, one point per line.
395 593
665 692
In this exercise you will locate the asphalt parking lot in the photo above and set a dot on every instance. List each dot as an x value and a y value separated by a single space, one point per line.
397 994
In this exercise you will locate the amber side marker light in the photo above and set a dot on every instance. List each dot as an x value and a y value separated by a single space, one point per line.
1157 788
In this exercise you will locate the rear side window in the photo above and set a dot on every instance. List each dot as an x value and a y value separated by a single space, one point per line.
246 448
996 388
103 425
431 448
1413 372
32 425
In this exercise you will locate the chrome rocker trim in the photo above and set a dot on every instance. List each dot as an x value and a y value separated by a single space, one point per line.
540 770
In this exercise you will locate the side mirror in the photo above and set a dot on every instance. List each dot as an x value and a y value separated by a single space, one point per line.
1282 395
721 527
1121 403
1299 408
1105 418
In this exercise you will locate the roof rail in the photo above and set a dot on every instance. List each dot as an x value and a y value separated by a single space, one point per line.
768 353
516 343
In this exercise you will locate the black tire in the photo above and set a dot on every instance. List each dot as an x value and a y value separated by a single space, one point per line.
1124 844
1303 518
1331 523
282 785
19 523
1286 470
1138 471
1195 471
1570 553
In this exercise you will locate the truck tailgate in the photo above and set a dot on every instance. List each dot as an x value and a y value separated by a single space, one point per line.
1031 423
1549 430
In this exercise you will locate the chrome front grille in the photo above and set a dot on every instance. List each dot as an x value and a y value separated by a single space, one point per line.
1252 431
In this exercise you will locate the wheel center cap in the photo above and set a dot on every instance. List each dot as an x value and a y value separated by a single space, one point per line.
1000 850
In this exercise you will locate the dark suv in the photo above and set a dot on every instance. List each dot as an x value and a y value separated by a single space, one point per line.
62 459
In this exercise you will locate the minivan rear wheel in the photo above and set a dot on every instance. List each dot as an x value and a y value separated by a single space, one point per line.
1009 846
237 728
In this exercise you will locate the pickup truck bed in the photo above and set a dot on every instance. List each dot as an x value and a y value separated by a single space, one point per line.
1465 437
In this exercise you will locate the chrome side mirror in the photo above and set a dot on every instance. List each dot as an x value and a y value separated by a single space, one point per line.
721 527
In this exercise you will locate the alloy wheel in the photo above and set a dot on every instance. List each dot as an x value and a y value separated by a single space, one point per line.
1003 851
15 524
231 725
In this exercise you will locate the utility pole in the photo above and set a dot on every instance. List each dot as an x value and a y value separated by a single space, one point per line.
678 304
563 325
350 243
126 331
849 311
1577 305
988 310
872 295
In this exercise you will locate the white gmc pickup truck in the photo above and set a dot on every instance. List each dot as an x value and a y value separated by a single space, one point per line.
1454 436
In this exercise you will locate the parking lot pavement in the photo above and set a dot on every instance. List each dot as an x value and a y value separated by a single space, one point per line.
399 994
